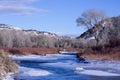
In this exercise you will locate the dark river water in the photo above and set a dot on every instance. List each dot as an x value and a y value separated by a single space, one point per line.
59 72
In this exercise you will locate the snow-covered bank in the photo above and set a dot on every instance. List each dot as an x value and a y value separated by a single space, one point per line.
47 58
9 76
104 65
97 73
7 66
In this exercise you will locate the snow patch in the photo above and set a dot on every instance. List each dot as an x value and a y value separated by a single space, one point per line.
46 34
16 28
31 33
43 58
97 73
24 71
91 38
104 23
9 77
79 69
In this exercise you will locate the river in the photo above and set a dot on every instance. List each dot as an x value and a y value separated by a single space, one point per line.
65 67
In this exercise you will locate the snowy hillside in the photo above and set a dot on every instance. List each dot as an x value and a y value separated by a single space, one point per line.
105 28
33 32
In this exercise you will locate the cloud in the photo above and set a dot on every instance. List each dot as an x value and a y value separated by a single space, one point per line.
18 7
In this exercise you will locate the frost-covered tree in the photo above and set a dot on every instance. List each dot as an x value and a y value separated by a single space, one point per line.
89 19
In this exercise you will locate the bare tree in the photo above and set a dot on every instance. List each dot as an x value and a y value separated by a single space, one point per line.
89 19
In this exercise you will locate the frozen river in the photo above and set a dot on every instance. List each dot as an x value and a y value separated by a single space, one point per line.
65 67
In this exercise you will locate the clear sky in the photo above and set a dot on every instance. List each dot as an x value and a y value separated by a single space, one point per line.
57 16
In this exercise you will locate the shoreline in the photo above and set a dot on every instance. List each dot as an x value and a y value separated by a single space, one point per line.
107 54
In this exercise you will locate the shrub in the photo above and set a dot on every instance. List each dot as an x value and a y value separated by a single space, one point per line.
6 64
114 42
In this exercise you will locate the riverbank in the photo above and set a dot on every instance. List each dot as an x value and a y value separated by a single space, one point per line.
105 54
89 53
7 66
60 66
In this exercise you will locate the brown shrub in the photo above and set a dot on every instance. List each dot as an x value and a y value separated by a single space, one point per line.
107 53
15 51
6 64
36 51
114 42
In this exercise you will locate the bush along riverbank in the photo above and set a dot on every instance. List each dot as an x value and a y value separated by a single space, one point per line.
101 54
6 65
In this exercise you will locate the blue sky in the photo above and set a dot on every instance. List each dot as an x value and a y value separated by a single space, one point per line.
57 16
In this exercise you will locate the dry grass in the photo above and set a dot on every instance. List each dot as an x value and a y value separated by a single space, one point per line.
36 51
92 53
27 50
6 64
108 53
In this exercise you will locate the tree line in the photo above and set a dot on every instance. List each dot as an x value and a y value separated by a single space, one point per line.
19 38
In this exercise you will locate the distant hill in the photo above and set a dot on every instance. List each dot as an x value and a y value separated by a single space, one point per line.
33 32
11 36
108 30
113 22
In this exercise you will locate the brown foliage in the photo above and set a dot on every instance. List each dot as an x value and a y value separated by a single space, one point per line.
6 64
36 51
108 53
114 43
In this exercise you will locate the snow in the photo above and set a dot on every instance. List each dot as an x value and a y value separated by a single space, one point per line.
2 28
97 73
66 62
104 23
35 33
31 57
103 64
79 68
16 28
68 53
47 58
91 38
9 27
46 34
24 71
100 68
9 77
31 33
50 34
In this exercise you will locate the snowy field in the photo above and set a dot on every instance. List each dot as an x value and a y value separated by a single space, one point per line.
65 67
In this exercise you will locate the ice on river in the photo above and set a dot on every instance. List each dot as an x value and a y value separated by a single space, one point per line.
24 71
55 65
96 73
